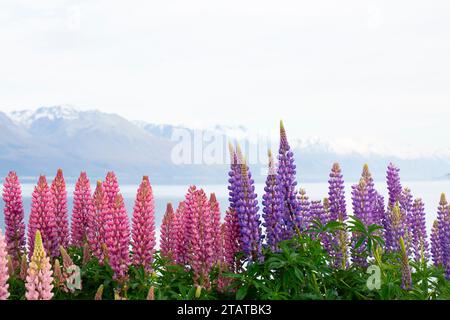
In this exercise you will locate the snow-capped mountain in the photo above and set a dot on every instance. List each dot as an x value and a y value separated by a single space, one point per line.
42 140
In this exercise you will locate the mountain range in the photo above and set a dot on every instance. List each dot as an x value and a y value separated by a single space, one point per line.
39 141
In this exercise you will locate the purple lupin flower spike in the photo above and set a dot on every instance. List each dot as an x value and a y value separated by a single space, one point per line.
338 212
303 219
287 183
406 205
443 232
394 185
318 214
362 208
397 225
419 241
406 270
272 215
247 211
435 244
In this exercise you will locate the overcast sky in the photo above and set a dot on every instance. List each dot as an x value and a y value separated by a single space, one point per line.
375 71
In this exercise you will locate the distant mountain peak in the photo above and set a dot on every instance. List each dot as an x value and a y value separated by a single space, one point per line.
27 117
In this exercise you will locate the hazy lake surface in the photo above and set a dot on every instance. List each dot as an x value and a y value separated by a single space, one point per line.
429 191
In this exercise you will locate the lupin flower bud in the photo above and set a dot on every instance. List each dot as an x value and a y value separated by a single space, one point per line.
406 271
42 217
99 293
59 193
4 274
14 218
23 267
151 293
82 210
143 234
39 276
57 275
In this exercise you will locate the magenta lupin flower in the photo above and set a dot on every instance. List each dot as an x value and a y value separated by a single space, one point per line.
118 239
180 235
143 234
39 281
97 222
4 274
59 193
82 210
42 217
14 218
231 243
111 188
216 227
201 254
168 242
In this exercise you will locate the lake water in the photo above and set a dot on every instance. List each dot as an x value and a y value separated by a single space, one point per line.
429 191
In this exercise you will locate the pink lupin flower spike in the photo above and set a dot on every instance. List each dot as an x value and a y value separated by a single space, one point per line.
144 226
201 252
59 193
96 222
216 227
14 218
42 217
118 239
82 207
39 276
4 273
167 241
111 188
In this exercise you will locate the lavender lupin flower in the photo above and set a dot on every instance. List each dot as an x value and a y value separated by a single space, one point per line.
273 218
287 184
303 219
338 213
247 211
419 241
443 232
436 252
394 185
